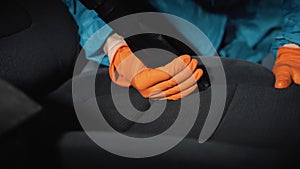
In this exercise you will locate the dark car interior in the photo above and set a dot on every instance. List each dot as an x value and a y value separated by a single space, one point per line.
39 45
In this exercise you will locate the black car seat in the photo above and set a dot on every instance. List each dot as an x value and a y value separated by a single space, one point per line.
259 128
38 44
253 132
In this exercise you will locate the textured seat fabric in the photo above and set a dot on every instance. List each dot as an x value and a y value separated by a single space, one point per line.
237 72
38 44
15 106
258 129
78 150
16 110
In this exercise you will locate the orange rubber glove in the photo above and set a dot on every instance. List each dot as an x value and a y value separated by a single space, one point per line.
172 81
287 66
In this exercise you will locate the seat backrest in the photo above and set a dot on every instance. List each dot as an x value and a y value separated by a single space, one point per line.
38 44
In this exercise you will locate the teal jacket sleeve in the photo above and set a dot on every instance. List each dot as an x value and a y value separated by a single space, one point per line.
211 24
290 25
92 30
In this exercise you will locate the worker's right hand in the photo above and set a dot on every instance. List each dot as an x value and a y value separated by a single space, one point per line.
172 81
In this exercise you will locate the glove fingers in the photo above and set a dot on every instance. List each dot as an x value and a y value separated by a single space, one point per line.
148 78
181 94
177 79
296 75
151 77
187 72
177 65
283 76
192 80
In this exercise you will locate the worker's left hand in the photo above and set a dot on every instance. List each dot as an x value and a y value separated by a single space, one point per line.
287 66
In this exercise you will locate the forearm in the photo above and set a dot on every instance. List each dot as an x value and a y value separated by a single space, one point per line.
89 24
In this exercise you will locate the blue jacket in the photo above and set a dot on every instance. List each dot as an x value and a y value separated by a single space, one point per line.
256 27
290 29
89 23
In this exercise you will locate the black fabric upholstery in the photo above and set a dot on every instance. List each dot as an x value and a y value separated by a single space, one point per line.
258 129
14 18
17 110
78 151
15 107
38 45
237 72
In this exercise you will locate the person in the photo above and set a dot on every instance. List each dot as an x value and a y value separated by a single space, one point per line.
246 31
250 41
172 81
259 124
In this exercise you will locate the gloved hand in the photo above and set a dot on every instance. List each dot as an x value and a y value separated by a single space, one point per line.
287 66
172 81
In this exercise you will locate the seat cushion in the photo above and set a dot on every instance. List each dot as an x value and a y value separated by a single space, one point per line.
258 128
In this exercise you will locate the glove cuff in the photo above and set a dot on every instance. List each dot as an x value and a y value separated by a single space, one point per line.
112 44
284 52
